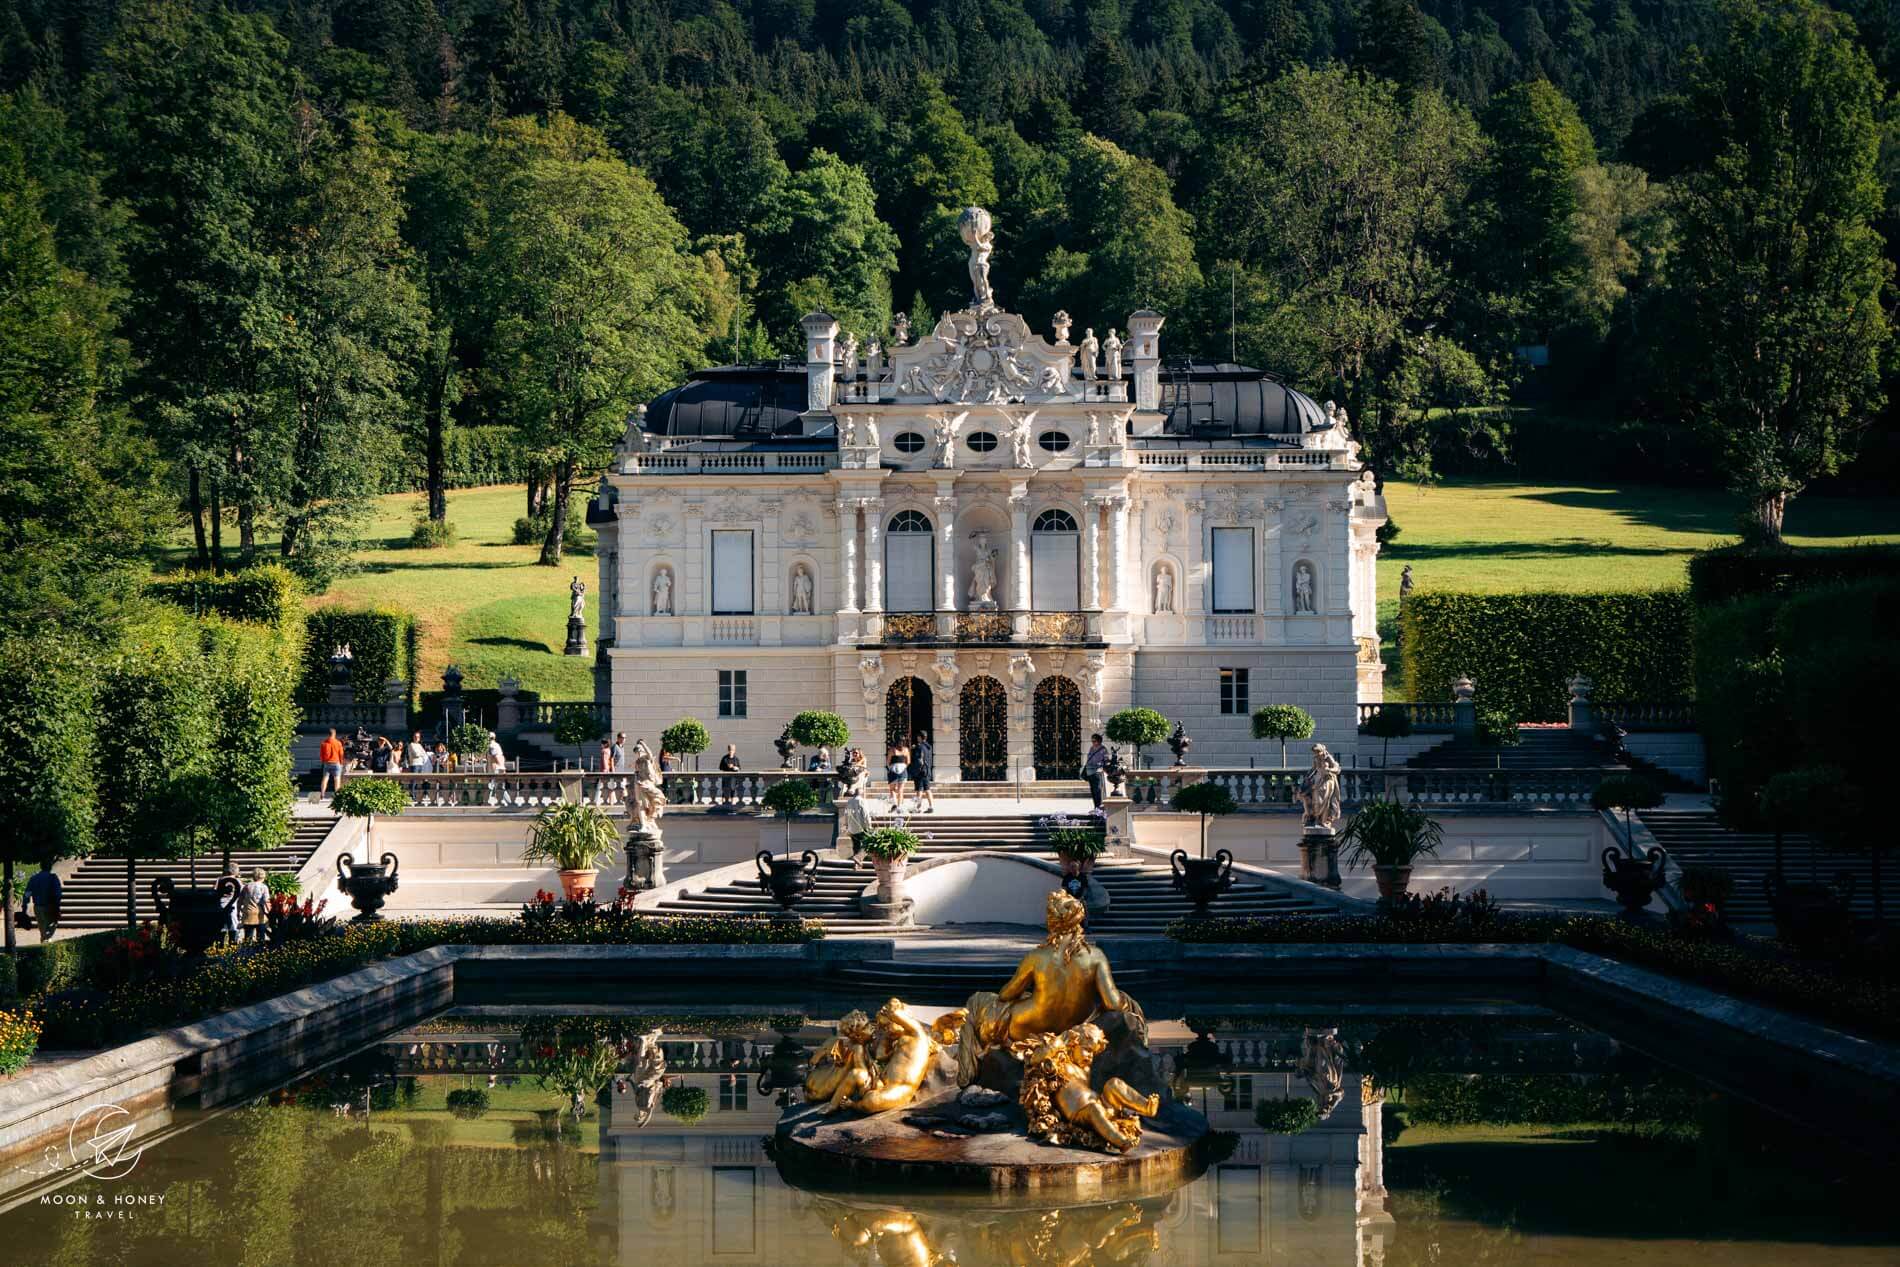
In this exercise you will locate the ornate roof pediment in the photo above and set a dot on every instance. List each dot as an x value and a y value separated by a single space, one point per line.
984 356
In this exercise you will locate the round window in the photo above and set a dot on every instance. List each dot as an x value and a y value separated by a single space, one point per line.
909 442
1053 441
981 441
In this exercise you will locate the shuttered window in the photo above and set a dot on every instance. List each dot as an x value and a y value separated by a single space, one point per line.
732 572
1233 570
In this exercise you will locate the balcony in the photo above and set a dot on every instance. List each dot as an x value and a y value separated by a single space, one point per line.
952 629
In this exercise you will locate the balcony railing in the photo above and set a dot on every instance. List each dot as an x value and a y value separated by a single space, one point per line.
1426 718
732 630
675 462
983 627
1058 627
924 628
910 627
1232 629
507 791
741 790
1564 789
1248 459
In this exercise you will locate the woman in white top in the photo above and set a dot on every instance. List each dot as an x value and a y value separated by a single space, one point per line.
497 759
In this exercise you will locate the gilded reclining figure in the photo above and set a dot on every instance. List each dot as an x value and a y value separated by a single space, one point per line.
1061 1106
1057 986
873 1067
836 1060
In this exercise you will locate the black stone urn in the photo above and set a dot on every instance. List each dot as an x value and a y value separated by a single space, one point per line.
197 917
785 1068
787 879
1633 879
367 883
1202 880
1179 743
1201 1065
787 749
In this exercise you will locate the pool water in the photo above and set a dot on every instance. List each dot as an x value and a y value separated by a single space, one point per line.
1476 1133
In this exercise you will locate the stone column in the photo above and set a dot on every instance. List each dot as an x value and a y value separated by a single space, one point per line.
873 557
1194 598
946 505
821 329
1116 599
847 555
1092 555
1019 547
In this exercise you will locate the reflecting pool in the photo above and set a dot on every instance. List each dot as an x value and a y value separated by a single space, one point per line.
1482 1132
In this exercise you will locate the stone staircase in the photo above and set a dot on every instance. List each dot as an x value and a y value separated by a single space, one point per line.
1693 838
94 897
1539 748
1142 901
1046 789
952 833
833 899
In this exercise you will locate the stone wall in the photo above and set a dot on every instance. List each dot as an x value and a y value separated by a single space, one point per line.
1679 752
652 690
1185 686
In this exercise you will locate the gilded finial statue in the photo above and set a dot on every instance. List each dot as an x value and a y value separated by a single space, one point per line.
1059 1102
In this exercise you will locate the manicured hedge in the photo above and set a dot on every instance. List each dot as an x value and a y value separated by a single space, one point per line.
1521 649
264 595
383 640
48 967
1730 572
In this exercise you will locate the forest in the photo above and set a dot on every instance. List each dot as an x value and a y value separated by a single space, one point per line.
264 260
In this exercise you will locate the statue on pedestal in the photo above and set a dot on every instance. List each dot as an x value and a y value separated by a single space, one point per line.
576 619
663 592
1091 350
649 792
983 574
1319 792
975 229
1303 589
801 591
1164 589
1112 349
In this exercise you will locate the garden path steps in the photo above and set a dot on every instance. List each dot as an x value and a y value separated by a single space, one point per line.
1694 838
94 896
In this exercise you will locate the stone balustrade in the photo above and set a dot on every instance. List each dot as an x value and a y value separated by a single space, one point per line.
543 714
1268 789
345 717
508 791
738 790
1248 459
1426 718
1650 714
716 463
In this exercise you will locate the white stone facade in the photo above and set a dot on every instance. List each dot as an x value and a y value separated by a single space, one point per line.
986 504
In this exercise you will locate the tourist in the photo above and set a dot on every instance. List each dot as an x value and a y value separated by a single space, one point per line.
668 762
896 767
253 906
606 755
1092 768
729 764
231 911
821 761
620 750
416 757
444 760
43 892
330 757
920 758
497 759
382 756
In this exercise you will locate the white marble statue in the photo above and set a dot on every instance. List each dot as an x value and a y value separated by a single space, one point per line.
900 330
1091 350
663 592
871 440
1020 667
1095 429
975 229
874 360
1117 427
1019 443
946 668
848 355
1164 589
801 591
647 1073
1112 350
1303 590
850 432
649 793
946 437
577 600
871 669
1318 792
983 574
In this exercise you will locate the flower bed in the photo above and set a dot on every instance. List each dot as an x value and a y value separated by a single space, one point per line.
102 1012
19 1039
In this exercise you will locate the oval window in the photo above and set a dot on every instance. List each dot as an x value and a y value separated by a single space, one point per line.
981 441
909 442
1053 441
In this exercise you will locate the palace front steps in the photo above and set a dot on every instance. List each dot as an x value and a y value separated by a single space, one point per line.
1695 839
1541 748
1142 900
95 895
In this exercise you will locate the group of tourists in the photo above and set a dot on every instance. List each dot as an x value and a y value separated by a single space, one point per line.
377 754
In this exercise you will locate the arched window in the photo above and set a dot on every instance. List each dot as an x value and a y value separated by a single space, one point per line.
909 562
1055 559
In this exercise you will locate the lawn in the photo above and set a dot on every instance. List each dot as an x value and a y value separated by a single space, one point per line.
485 605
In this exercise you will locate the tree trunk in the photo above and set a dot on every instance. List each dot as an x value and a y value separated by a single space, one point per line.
437 428
247 533
131 891
287 543
6 916
217 529
197 503
1769 510
537 485
557 522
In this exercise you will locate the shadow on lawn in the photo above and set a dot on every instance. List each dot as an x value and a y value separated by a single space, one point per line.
1676 510
522 644
380 566
1399 552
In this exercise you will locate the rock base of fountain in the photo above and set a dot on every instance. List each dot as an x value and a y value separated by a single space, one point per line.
976 1140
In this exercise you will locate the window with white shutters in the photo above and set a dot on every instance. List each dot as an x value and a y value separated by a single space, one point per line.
1233 570
732 572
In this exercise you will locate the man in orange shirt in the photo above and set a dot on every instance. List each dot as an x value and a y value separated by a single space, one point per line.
330 754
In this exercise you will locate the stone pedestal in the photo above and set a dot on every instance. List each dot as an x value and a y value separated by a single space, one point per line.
1319 856
646 861
576 637
898 912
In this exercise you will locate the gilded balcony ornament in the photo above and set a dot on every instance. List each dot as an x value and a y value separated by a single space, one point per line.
983 627
1058 627
910 627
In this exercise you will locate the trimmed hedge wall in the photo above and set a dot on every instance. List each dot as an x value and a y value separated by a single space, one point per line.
265 595
384 641
1521 649
1730 572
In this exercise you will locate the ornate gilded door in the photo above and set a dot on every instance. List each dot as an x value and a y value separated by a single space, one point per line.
1058 732
907 711
983 730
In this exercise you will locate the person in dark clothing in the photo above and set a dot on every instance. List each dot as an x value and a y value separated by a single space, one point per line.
921 758
1092 768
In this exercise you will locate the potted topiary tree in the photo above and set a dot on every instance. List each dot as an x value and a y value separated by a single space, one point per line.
686 737
470 739
890 849
580 727
1634 879
1391 836
575 838
1389 723
368 883
1282 722
1078 847
688 1104
1137 727
815 728
788 879
1203 879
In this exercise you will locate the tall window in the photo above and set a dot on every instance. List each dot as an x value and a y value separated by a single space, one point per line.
732 572
1233 691
732 692
732 1091
908 562
1233 569
1054 573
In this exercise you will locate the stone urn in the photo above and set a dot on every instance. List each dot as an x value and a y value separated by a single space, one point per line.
1201 880
369 884
578 885
785 1068
890 874
1392 881
198 917
1633 879
787 879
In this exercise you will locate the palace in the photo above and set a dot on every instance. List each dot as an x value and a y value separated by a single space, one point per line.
991 536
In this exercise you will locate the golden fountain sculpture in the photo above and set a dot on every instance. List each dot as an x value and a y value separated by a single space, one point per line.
1046 1017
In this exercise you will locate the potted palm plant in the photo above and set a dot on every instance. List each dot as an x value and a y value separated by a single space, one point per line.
890 849
1203 879
1391 836
575 838
788 879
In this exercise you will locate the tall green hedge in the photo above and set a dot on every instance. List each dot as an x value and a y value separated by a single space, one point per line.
253 722
384 642
1729 572
265 595
1521 649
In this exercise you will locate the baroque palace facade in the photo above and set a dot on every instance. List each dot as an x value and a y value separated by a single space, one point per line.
990 536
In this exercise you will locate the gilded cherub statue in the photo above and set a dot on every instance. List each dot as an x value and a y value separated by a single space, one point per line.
838 1058
887 1068
1057 986
1061 1106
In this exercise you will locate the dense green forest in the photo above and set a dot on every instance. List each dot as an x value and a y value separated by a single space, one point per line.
287 254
